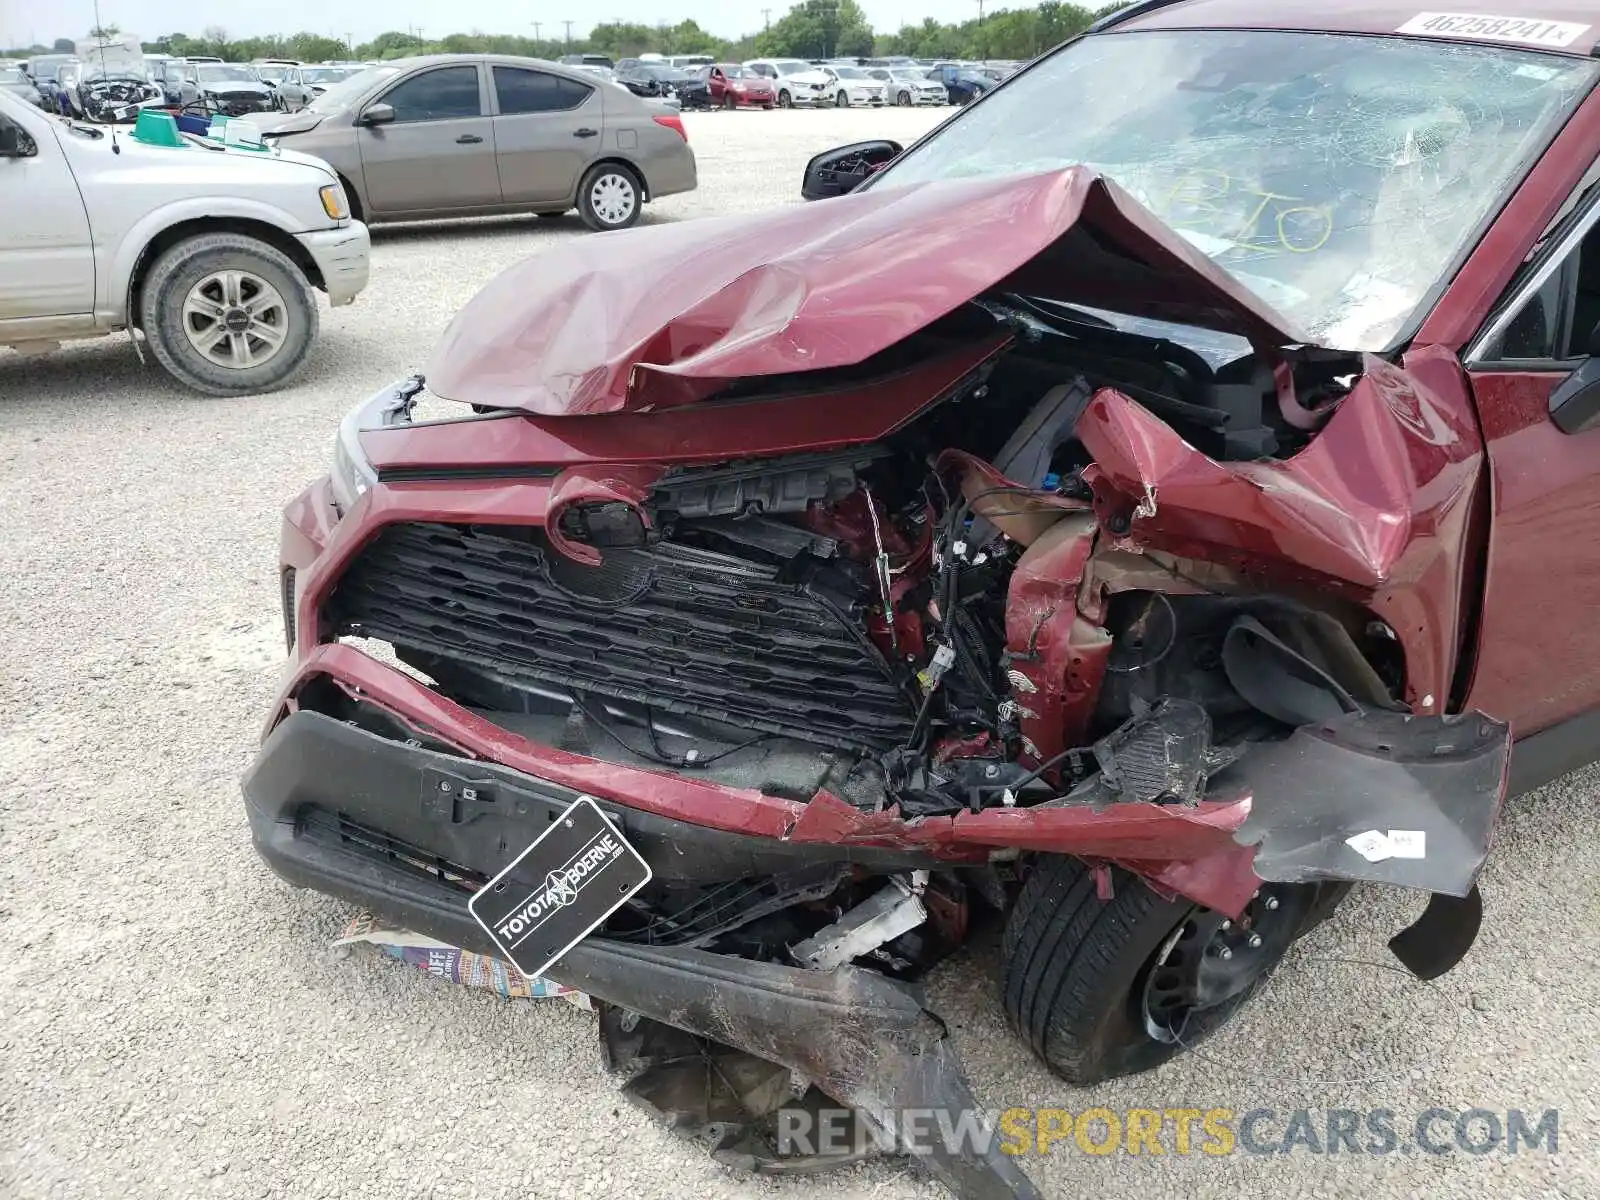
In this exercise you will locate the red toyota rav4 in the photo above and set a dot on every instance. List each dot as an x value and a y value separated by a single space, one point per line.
1147 523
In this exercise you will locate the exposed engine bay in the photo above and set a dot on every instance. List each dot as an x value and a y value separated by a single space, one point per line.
891 621
116 99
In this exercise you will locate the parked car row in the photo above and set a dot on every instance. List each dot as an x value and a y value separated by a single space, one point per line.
106 82
214 87
799 83
213 258
697 81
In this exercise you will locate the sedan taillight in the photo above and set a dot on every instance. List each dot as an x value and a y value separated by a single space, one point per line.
673 122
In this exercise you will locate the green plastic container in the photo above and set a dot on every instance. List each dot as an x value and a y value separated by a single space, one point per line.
157 129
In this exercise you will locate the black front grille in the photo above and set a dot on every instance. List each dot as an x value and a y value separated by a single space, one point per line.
239 103
333 828
672 626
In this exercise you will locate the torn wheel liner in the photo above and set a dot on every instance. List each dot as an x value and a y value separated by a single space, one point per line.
1430 787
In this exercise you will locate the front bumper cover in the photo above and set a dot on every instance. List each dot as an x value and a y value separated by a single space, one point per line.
814 1023
343 256
361 816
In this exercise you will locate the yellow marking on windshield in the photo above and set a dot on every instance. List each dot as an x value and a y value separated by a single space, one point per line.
1207 202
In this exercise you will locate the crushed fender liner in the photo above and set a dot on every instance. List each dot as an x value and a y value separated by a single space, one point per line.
1363 797
1375 510
1438 779
1391 798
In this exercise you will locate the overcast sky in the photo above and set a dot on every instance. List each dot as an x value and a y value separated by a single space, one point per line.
22 21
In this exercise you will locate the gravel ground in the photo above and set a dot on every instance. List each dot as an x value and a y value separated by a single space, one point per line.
173 1022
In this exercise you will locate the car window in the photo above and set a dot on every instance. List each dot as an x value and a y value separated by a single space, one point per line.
1555 323
1337 177
444 94
1535 332
342 94
522 91
226 73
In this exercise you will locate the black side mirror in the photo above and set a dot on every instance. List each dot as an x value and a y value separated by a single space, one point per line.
835 172
1575 403
377 114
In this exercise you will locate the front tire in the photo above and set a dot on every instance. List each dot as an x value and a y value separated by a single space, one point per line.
609 197
841 100
785 100
728 102
903 99
1097 988
228 315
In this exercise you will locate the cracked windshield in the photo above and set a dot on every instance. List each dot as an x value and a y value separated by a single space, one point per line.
1337 177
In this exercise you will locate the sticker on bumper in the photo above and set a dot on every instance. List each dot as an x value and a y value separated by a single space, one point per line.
576 874
1552 34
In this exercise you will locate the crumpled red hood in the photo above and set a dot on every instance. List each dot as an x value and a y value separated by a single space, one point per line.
669 314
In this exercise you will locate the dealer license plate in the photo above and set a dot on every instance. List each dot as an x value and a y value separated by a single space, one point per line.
576 874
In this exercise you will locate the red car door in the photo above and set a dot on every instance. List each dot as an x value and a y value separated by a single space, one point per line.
1523 310
718 83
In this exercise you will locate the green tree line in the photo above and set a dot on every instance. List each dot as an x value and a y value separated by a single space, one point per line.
811 29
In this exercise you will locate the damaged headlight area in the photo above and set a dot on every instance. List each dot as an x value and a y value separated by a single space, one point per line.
351 474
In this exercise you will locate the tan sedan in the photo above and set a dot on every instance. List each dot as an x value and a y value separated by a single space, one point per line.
456 135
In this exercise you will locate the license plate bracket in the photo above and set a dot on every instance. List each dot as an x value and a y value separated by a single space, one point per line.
560 889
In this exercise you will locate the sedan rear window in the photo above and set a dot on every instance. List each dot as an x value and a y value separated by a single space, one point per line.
521 91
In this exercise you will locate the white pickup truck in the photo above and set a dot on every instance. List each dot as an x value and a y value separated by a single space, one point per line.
210 254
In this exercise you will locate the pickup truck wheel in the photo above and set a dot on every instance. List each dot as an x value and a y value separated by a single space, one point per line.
227 314
608 197
1102 988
